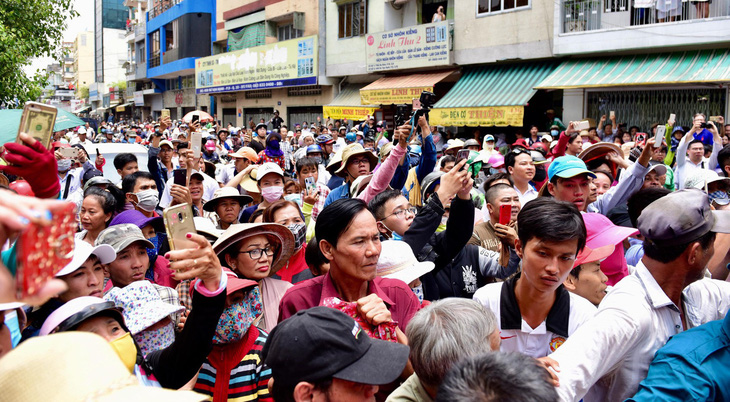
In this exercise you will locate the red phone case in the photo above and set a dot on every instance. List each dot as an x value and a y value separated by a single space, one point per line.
505 214
42 251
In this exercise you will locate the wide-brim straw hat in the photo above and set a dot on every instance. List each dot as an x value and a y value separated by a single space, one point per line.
75 366
353 150
335 162
224 193
600 150
235 233
249 182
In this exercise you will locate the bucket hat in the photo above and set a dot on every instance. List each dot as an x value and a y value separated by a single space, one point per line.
236 233
355 150
141 305
226 193
397 261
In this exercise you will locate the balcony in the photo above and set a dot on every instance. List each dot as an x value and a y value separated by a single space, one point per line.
590 26
160 6
139 32
154 60
171 55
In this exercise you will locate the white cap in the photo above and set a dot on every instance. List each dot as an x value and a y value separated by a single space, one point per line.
268 167
82 251
81 130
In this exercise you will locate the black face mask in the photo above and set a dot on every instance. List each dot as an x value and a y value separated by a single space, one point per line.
540 174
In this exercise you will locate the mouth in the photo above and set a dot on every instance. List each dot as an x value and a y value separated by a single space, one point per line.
549 280
265 268
138 276
578 203
96 293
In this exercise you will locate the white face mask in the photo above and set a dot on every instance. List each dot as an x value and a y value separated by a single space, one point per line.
147 200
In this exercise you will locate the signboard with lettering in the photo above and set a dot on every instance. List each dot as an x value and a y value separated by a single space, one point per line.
391 96
281 64
500 116
139 98
348 112
424 45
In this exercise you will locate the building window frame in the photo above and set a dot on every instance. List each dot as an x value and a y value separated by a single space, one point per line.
352 19
515 6
287 32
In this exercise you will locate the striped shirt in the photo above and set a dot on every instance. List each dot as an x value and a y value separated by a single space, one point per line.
235 372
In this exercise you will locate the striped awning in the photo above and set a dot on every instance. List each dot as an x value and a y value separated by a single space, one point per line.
491 95
346 105
401 88
697 66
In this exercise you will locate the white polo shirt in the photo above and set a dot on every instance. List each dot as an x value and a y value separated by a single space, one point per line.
568 313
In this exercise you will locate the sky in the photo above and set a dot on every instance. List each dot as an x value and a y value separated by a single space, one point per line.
84 22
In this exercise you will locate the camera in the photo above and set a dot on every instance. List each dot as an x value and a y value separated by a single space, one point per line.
401 115
705 125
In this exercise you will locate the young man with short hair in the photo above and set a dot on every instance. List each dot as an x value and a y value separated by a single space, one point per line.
691 150
141 193
535 311
490 234
520 166
126 164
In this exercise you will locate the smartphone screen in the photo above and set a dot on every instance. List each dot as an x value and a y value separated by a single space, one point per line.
462 154
196 143
195 118
505 214
180 177
164 113
310 183
672 117
659 137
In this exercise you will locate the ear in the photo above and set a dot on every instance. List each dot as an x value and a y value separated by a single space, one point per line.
327 250
303 392
518 248
230 261
551 189
106 270
119 171
382 229
726 168
570 283
695 253
131 197
510 170
490 208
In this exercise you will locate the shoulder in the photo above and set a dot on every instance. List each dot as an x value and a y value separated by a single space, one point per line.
310 287
489 295
580 309
392 286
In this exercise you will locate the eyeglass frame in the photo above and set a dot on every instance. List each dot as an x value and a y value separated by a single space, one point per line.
260 251
412 210
358 162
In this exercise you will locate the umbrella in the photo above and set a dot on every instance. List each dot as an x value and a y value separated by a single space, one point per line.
11 122
203 116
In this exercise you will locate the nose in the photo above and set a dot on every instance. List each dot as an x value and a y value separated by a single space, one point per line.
92 281
552 267
140 262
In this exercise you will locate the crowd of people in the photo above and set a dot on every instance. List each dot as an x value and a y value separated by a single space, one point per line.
349 261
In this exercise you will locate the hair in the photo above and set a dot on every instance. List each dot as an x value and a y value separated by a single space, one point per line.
695 142
509 159
181 145
604 172
335 219
492 192
699 114
551 220
377 204
575 135
121 160
497 376
723 158
282 391
496 177
106 200
446 332
130 181
667 254
446 159
314 258
575 272
277 206
306 162
641 199
255 214
292 183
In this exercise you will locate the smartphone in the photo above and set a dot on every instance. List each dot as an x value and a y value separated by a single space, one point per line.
180 177
37 121
164 113
196 140
98 154
672 118
462 154
178 223
583 125
42 251
659 137
69 153
505 214
195 119
715 119
310 184
611 115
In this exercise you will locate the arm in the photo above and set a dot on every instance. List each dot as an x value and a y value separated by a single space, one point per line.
716 147
559 149
682 148
629 183
668 138
450 242
428 151
667 380
489 263
382 177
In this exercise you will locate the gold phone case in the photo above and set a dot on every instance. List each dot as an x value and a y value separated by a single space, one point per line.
178 223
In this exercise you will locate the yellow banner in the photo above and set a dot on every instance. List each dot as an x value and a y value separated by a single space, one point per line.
120 108
500 116
392 95
348 112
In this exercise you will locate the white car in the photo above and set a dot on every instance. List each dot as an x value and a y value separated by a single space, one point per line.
110 150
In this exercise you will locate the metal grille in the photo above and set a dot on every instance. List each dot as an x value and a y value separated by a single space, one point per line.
644 108
298 115
306 90
258 94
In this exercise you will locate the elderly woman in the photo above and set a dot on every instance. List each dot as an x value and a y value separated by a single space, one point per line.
256 251
349 239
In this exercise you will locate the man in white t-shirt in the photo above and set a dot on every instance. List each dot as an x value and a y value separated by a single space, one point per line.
536 314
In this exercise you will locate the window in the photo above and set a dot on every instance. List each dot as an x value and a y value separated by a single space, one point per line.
155 49
287 32
171 36
496 6
353 19
188 81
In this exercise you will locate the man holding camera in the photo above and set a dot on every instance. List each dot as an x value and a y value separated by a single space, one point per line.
690 151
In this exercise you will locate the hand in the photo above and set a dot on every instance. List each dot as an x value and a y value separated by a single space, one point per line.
552 367
165 122
466 186
99 162
310 197
571 128
720 120
57 154
33 162
372 308
183 318
603 118
506 233
198 262
452 182
402 133
194 126
82 157
713 128
423 123
180 195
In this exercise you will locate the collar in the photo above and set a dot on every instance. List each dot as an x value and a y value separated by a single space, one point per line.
511 318
530 189
654 293
329 290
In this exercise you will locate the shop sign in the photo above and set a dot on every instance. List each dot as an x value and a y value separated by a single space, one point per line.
391 96
281 64
348 112
139 98
424 45
500 116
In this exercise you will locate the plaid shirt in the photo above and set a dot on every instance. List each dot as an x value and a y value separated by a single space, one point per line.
183 293
324 191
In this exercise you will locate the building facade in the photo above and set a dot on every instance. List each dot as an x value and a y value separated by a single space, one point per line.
83 61
110 18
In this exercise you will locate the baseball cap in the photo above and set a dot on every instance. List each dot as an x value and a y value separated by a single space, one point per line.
681 217
166 142
488 137
658 167
546 137
246 152
121 236
322 342
95 181
81 130
268 167
82 251
91 173
520 143
568 166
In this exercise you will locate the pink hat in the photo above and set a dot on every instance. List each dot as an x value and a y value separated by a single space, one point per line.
210 145
496 161
603 236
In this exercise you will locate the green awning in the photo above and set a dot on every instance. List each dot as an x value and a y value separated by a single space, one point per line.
491 95
698 66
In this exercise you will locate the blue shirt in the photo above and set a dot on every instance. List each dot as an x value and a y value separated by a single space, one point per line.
705 136
692 366
635 252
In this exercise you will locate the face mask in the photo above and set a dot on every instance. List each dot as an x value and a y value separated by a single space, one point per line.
156 339
317 159
126 350
11 321
391 233
147 200
272 193
237 318
295 198
299 231
274 144
554 133
64 165
418 290
489 146
152 252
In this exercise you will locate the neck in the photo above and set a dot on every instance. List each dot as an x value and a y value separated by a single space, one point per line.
349 289
521 185
62 175
534 305
431 391
168 165
697 161
145 213
91 235
224 225
670 277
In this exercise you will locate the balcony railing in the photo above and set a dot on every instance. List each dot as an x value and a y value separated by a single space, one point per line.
589 15
154 60
160 6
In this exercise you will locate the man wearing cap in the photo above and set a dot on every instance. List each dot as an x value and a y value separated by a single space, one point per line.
241 159
608 356
160 161
323 354
81 138
276 121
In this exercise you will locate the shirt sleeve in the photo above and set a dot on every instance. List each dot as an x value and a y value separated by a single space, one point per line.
382 177
712 163
628 184
673 378
489 263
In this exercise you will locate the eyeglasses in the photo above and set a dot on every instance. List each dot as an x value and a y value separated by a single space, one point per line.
519 150
256 253
360 161
399 213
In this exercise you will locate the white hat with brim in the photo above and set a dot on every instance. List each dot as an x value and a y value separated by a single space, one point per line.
141 305
266 168
397 261
206 226
359 185
235 233
84 250
455 144
355 150
335 162
76 366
